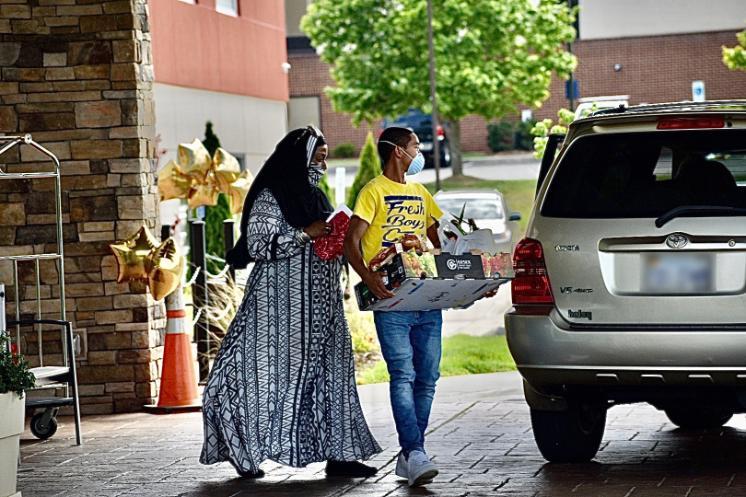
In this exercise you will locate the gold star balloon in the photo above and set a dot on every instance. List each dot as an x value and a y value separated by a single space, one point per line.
193 158
167 269
200 179
203 194
238 191
226 170
140 258
132 255
172 183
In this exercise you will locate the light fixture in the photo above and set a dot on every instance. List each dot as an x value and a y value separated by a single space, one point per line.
617 67
285 67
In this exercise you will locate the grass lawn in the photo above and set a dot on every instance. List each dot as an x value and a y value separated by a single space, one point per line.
462 354
519 194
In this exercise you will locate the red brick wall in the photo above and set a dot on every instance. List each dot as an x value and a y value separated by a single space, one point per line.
654 69
309 76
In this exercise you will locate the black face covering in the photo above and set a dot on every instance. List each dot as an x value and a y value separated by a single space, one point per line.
286 174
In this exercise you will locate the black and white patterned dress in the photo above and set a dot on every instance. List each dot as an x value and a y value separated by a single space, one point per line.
283 383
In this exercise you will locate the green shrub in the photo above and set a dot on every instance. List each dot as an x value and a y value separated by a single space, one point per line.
362 330
523 139
344 151
542 129
217 214
500 136
14 371
370 167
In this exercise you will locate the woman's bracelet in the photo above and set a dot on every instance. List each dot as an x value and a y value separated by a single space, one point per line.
301 237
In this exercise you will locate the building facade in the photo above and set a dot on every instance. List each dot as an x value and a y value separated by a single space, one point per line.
222 61
95 82
78 76
649 50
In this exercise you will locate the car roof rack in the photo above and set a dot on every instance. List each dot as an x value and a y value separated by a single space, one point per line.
707 106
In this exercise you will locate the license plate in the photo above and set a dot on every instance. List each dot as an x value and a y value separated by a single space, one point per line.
677 274
426 146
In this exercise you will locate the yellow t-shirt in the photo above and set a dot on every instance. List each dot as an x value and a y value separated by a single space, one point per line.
393 210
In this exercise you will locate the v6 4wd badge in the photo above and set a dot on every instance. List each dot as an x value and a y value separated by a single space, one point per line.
572 289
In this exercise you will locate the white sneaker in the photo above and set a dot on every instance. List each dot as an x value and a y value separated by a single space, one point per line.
419 469
401 467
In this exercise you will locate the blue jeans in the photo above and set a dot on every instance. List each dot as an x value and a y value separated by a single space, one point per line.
410 343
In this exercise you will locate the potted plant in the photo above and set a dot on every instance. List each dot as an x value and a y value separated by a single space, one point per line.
15 379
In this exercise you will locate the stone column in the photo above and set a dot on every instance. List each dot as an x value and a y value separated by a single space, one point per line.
77 75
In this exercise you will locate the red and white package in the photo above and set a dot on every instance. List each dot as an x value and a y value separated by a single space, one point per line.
332 245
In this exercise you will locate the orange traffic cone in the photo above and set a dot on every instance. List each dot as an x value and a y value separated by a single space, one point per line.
178 391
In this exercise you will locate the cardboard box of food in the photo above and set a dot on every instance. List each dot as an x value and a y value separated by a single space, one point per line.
426 281
427 294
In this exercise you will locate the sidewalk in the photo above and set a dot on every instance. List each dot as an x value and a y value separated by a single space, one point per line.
479 436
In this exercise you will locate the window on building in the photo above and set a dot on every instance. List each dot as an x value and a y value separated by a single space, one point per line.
303 111
228 7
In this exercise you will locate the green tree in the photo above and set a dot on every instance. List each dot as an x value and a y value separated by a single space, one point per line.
370 167
542 129
735 58
215 215
492 56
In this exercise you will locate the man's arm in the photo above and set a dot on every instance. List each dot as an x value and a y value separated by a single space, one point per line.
372 280
432 235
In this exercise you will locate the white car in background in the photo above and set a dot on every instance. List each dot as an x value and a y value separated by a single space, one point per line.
487 208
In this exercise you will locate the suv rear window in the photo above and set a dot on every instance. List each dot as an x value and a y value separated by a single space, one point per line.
648 174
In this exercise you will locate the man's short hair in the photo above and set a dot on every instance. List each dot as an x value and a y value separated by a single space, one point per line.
394 134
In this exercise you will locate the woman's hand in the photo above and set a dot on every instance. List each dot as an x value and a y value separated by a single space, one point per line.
317 229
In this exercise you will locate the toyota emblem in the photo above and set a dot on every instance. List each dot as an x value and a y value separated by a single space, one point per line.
677 240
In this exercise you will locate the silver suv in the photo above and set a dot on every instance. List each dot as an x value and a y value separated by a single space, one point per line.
631 283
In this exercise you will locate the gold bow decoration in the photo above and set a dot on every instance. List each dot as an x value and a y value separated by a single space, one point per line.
141 257
199 178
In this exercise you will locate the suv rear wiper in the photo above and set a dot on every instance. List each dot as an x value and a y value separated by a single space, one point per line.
698 210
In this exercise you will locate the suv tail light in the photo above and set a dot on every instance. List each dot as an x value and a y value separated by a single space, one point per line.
441 133
531 290
691 123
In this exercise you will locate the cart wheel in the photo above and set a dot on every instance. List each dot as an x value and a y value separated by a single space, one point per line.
41 430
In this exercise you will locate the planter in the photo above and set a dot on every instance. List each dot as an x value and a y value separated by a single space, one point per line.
11 412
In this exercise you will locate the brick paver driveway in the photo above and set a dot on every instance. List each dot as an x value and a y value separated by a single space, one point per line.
480 438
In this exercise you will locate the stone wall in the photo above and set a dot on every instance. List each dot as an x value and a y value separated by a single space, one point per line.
77 75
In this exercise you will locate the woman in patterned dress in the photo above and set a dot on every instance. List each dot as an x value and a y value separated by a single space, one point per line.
283 383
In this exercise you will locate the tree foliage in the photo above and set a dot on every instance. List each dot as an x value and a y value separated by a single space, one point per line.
492 55
542 129
370 167
735 58
217 214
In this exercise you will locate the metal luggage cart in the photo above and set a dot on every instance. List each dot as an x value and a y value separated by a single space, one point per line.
49 377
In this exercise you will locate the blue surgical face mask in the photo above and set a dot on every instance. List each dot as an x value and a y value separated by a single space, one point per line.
418 161
417 164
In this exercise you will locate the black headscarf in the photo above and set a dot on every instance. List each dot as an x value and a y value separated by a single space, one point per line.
285 174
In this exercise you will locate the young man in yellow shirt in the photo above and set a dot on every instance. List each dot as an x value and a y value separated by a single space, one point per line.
388 208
